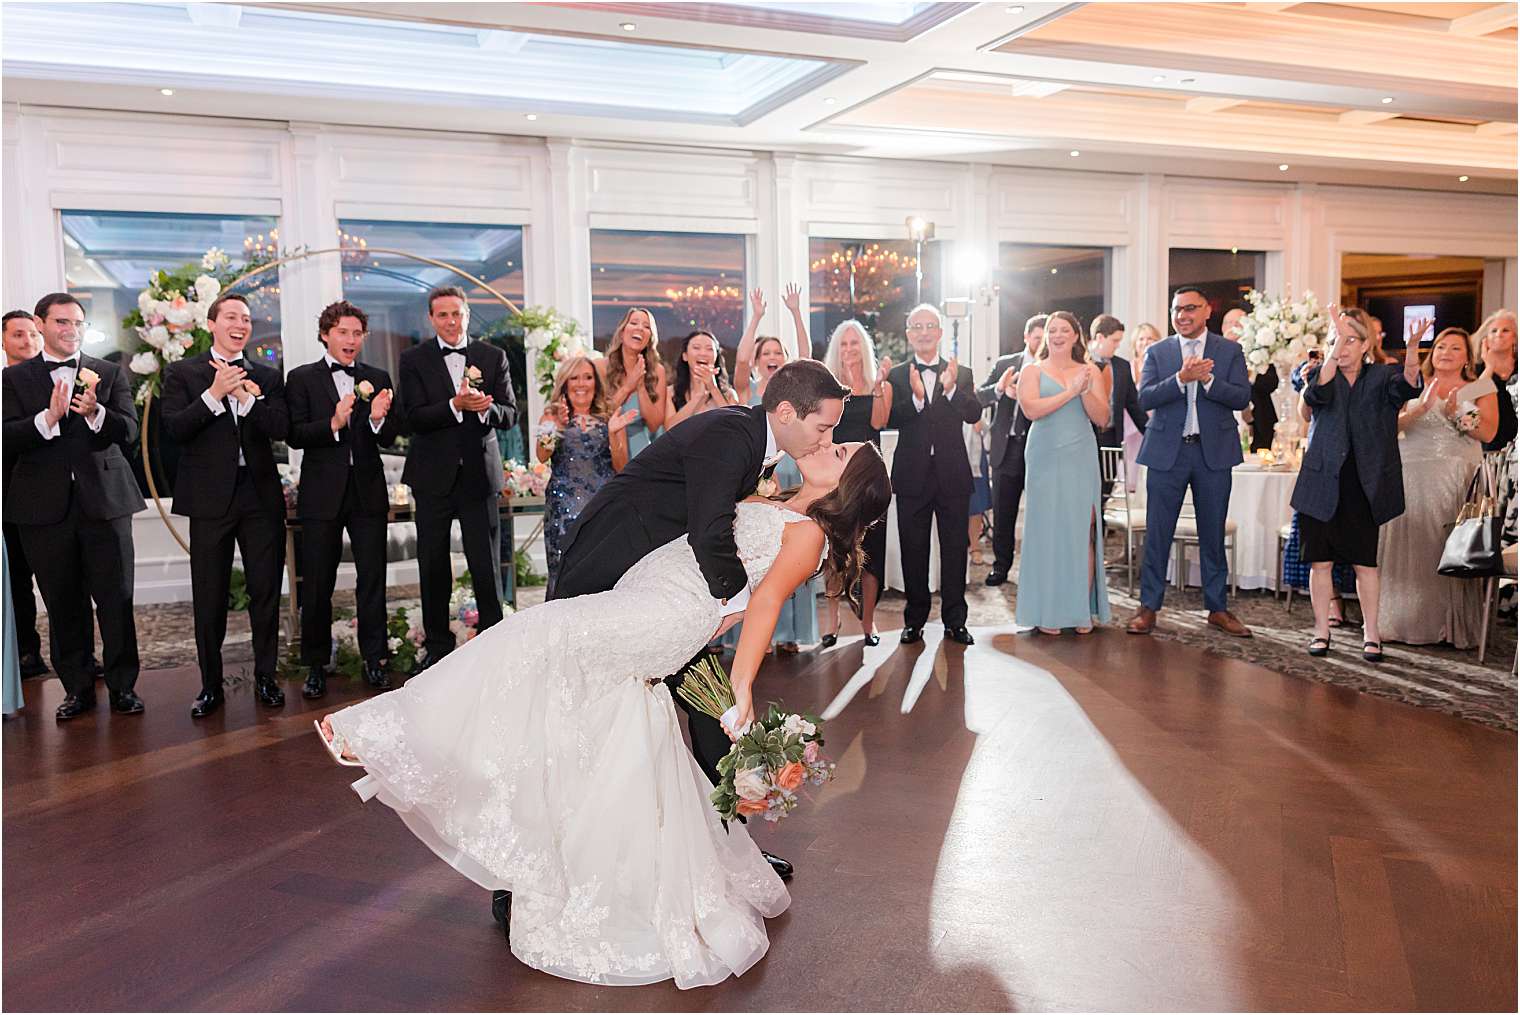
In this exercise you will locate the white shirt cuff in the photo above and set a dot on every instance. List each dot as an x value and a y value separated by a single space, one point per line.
241 407
458 416
1181 384
736 604
918 404
376 425
48 432
482 416
98 420
1208 385
217 408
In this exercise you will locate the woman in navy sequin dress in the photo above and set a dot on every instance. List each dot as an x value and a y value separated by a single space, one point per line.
585 442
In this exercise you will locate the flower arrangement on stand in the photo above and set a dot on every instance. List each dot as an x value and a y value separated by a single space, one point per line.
550 337
404 632
526 480
1279 332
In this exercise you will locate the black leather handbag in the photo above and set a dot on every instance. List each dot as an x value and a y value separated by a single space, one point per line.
1472 548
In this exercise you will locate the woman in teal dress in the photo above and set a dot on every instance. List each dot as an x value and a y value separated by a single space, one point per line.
1060 582
632 371
10 684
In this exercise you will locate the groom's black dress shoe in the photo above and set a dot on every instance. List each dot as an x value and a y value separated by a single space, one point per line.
959 635
268 692
912 635
205 703
376 677
782 867
501 911
316 683
74 705
127 703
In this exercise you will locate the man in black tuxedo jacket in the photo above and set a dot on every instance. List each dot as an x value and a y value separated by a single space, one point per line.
1261 414
67 418
1010 428
931 400
22 342
455 394
340 415
224 410
1123 396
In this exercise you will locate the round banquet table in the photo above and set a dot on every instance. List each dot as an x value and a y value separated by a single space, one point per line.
1259 506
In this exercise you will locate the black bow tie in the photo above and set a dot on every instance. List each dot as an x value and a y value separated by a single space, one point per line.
768 471
926 367
336 366
240 363
72 364
453 352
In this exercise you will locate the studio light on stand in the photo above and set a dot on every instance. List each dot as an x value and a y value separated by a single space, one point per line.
919 230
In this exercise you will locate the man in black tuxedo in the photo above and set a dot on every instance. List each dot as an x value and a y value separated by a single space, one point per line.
455 394
67 418
340 414
1123 396
22 342
1010 428
224 411
1261 414
931 400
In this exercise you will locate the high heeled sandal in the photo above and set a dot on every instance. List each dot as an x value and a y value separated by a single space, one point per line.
332 748
1319 647
1372 657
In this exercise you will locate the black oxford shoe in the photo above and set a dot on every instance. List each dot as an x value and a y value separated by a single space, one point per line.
205 703
32 665
376 676
996 578
74 705
127 703
959 635
316 684
912 635
783 868
268 692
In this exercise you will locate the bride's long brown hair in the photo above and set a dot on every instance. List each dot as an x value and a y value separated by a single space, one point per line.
859 501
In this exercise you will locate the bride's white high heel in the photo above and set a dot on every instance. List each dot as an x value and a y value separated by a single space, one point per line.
332 748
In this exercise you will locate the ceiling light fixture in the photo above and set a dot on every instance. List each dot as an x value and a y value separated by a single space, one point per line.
1388 100
166 91
530 116
1013 9
629 26
1283 168
830 101
1074 153
1462 178
1158 77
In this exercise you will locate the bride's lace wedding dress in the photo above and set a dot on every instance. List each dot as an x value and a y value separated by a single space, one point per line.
544 757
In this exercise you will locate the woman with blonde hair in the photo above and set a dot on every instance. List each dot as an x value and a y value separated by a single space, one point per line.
585 443
634 377
1064 396
1494 349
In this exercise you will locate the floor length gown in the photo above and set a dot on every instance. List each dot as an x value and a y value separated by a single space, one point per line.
1056 584
544 757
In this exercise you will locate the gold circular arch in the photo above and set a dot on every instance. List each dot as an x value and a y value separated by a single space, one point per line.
147 450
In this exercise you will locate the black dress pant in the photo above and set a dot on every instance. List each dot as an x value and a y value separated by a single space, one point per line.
916 516
259 534
321 551
709 744
76 560
479 526
1007 491
23 601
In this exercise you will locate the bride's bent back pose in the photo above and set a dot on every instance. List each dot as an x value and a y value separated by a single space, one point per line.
544 757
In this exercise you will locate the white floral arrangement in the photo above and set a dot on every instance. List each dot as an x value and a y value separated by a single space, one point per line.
1280 332
550 338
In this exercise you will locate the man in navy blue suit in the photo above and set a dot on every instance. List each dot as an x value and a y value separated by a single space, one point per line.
1192 383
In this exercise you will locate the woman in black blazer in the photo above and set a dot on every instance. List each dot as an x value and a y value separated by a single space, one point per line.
1351 480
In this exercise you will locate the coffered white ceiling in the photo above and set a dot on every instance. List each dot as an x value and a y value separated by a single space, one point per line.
1411 94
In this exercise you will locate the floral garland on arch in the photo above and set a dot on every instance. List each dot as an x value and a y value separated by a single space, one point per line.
170 319
550 338
1280 332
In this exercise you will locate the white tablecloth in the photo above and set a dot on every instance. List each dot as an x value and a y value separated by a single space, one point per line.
1259 507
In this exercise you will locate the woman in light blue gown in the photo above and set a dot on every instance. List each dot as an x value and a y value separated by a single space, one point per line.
1061 581
633 373
10 684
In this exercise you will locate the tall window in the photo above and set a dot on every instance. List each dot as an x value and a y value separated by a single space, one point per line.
392 289
109 256
688 281
875 282
1035 279
1225 276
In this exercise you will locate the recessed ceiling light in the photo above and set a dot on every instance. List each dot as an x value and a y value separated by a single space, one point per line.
830 101
1158 77
629 26
1054 270
530 116
1013 9
1388 100
1462 179
1283 168
1075 153
1234 250
166 91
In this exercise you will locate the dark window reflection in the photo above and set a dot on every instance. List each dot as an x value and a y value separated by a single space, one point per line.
1224 276
873 281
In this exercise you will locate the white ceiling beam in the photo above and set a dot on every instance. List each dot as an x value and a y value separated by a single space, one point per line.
1212 104
1362 117
1494 19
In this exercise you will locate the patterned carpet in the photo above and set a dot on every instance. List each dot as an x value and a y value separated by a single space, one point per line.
1430 677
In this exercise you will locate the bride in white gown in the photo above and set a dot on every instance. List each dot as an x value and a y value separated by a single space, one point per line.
544 756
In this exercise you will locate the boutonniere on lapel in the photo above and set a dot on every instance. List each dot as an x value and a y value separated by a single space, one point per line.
85 379
476 379
767 488
365 390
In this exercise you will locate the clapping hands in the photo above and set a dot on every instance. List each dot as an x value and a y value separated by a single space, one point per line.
1195 368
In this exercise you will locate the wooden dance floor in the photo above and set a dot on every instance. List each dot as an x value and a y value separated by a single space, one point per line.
1106 823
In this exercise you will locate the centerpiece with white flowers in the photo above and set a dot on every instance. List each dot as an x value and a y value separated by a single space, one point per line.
1280 332
550 338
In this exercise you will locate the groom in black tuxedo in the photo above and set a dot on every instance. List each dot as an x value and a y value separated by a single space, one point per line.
1010 429
341 415
224 411
455 394
71 496
689 482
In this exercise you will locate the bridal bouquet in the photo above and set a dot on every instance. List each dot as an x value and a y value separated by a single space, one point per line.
772 759
1280 332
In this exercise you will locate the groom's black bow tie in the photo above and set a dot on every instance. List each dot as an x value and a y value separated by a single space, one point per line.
335 366
768 471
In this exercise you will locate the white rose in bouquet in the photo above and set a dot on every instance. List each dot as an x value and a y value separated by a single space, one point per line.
206 288
144 363
181 316
174 351
751 784
156 336
1293 329
145 304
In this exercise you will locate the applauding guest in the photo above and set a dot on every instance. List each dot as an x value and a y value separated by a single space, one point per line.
456 394
634 375
341 414
701 380
1495 342
22 342
71 497
224 410
1065 398
931 400
1351 481
1192 383
1009 429
585 443
1119 376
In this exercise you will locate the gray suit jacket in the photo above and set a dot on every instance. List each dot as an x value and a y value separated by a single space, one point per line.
1007 421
